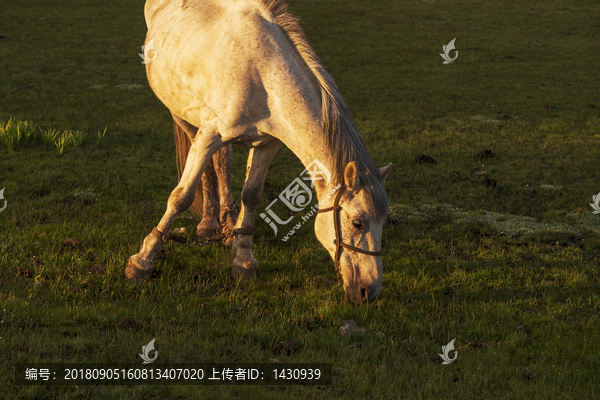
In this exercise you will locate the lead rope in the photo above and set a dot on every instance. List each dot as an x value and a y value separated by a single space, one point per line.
204 241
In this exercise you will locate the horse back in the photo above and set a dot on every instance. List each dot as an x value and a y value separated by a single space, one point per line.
223 58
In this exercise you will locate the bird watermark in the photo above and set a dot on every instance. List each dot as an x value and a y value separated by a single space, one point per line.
2 198
146 49
447 349
595 205
146 355
446 54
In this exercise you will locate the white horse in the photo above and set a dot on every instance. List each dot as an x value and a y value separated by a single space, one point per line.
243 72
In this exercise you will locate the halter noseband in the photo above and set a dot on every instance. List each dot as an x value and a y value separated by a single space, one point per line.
338 234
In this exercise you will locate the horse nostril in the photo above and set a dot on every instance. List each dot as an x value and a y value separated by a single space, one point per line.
364 293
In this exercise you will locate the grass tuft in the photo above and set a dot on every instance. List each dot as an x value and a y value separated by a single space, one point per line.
14 132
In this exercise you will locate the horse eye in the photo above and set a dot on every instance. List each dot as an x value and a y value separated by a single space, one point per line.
357 225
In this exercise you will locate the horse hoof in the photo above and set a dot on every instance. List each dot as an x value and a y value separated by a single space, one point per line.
246 269
207 228
205 233
138 269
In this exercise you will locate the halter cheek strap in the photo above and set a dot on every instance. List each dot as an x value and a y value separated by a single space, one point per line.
338 234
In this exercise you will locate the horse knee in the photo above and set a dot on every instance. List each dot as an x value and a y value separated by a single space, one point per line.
181 199
251 196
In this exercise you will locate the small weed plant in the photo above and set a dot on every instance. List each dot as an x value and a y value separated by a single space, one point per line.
14 132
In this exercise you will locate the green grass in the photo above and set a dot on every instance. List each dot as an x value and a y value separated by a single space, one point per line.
461 260
12 133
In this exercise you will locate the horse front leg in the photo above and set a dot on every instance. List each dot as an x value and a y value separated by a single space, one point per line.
243 262
204 146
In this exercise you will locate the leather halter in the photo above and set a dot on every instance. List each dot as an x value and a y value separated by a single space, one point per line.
338 234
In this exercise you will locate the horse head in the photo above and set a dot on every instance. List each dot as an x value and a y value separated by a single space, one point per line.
353 235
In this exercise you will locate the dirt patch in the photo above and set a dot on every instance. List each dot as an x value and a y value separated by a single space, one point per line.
73 243
220 290
489 182
26 273
287 347
36 324
350 327
437 359
449 291
526 374
486 154
424 159
477 345
96 269
128 323
304 324
328 282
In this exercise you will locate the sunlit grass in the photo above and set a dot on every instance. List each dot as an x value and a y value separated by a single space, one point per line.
15 132
63 139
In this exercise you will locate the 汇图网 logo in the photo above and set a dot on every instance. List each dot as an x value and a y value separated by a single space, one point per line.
595 205
146 355
446 54
297 196
447 349
146 49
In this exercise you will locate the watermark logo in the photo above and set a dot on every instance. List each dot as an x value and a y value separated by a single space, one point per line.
147 349
446 54
297 196
2 198
146 50
447 349
595 205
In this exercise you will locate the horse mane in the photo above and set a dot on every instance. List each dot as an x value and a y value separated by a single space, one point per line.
343 138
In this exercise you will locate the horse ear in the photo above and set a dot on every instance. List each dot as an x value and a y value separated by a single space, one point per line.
384 171
350 178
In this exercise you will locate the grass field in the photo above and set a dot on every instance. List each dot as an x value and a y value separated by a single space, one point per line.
511 272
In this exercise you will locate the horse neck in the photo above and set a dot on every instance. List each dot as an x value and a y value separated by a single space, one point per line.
296 119
309 145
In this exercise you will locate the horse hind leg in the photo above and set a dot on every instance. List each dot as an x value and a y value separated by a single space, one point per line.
213 195
209 225
222 163
204 146
218 200
243 262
